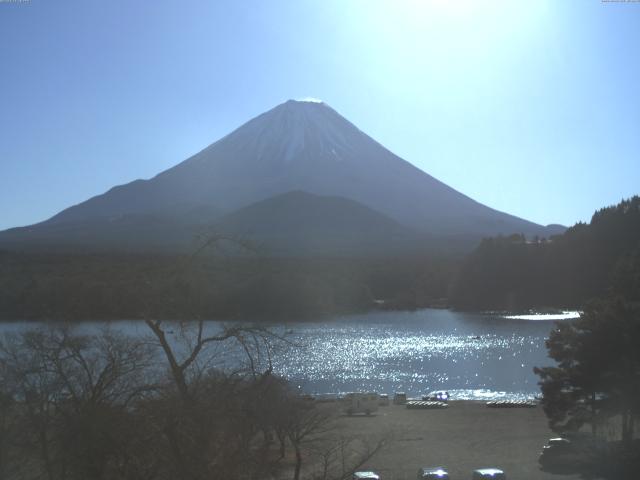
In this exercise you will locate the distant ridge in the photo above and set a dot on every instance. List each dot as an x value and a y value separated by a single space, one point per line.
300 223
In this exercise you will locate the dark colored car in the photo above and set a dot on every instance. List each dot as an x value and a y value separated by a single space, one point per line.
562 455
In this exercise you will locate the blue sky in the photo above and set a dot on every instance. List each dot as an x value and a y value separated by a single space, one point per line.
532 108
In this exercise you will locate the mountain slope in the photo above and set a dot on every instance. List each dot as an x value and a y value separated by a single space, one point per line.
299 146
166 231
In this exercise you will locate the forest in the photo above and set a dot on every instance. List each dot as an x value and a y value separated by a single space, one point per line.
510 273
589 260
110 286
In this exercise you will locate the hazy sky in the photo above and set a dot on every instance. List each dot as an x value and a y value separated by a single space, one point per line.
532 107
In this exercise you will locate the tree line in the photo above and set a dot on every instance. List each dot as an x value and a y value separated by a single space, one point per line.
587 261
37 286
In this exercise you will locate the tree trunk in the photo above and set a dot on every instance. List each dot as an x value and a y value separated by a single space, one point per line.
593 413
177 371
282 439
626 428
44 450
296 473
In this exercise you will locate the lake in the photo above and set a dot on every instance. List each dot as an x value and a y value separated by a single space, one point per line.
473 356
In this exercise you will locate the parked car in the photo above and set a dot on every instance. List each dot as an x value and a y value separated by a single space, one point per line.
562 455
433 473
400 398
484 473
366 476
437 396
353 403
383 400
560 444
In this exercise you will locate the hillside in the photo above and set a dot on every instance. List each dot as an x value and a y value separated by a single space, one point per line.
299 223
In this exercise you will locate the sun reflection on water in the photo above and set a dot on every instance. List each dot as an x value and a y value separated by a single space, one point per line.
470 357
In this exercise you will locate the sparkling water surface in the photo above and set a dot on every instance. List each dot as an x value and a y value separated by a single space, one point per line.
473 356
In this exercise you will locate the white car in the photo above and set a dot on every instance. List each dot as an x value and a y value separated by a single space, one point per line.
437 396
356 402
433 473
485 473
366 476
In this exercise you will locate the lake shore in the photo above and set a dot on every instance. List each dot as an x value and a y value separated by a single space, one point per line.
465 436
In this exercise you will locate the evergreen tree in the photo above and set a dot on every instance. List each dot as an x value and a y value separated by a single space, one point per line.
597 376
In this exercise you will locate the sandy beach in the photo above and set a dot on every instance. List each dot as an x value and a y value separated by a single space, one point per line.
465 436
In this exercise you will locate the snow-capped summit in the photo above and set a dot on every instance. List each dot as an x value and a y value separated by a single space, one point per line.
297 130
308 100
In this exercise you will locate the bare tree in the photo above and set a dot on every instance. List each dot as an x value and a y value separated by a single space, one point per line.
255 342
304 425
71 394
341 457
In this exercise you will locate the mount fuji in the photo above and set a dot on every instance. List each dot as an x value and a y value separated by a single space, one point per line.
304 147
